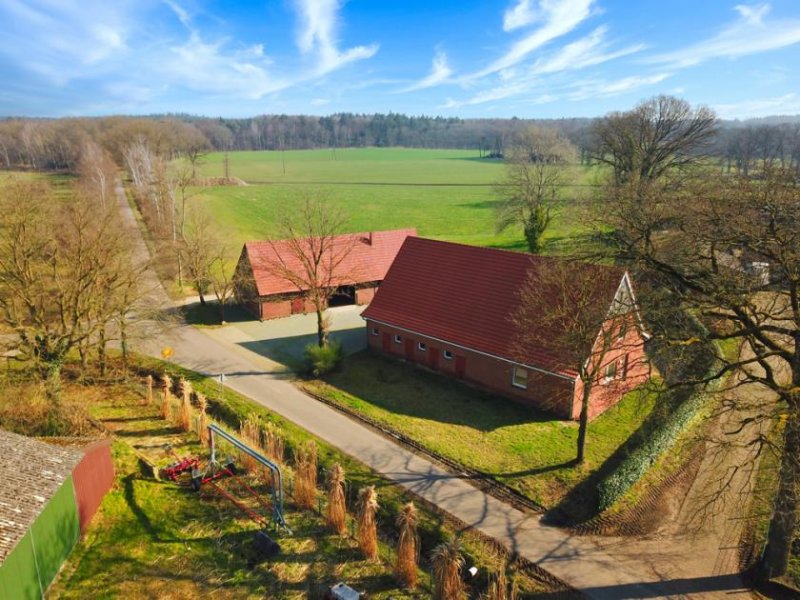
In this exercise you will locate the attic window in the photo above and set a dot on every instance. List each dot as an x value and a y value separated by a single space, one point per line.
398 339
447 355
422 347
520 378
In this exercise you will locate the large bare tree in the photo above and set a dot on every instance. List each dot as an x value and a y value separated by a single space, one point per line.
537 165
312 254
584 317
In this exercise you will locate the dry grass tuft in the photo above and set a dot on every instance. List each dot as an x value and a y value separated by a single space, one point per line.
407 546
166 400
367 527
250 432
498 587
336 515
305 481
185 414
202 423
274 443
447 564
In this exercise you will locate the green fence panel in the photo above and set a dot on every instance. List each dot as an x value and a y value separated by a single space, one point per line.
18 576
55 532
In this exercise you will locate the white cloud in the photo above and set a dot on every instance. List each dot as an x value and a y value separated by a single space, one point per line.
598 88
557 18
521 14
317 35
585 52
751 33
788 104
440 73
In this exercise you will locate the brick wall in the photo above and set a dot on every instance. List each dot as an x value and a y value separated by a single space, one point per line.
543 391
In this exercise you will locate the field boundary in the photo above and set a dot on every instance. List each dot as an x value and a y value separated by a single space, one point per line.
480 479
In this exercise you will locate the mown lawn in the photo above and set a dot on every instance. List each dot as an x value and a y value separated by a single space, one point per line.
444 194
524 448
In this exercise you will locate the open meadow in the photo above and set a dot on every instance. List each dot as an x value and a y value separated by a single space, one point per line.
445 194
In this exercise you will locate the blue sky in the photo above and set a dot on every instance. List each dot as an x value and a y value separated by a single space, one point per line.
525 58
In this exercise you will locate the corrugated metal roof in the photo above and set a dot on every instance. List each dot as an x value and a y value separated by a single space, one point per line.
466 295
368 259
31 472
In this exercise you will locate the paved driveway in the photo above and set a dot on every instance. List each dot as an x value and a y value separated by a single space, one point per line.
282 341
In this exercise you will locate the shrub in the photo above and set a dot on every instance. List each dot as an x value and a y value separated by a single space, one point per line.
367 527
305 481
321 360
407 546
336 514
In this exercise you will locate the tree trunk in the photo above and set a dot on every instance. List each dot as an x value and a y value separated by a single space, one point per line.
583 423
322 333
101 352
775 560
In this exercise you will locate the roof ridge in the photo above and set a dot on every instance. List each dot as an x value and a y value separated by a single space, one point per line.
347 233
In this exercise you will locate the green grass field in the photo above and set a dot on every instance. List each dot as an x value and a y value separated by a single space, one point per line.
526 449
444 194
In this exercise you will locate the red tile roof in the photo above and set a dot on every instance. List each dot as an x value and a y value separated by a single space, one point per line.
368 260
465 295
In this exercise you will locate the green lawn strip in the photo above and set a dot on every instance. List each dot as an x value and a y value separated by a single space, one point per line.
231 408
526 449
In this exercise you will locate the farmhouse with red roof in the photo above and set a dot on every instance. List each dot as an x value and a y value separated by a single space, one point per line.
448 307
262 286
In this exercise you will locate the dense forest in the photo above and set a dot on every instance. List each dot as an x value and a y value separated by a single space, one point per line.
55 144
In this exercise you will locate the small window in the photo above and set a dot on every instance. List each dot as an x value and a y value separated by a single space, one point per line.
624 373
422 347
398 339
375 331
447 355
520 378
611 371
623 329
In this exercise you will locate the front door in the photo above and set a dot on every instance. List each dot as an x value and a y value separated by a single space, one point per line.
409 349
461 366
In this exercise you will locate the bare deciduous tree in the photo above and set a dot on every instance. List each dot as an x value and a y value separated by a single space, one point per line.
536 166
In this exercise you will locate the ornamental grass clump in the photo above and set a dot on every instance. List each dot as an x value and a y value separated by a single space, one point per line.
367 527
185 413
166 400
250 432
336 514
202 421
305 482
447 563
407 546
274 443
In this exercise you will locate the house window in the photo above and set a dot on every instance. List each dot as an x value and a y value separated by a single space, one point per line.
398 339
624 372
375 331
611 371
447 355
519 378
623 328
422 347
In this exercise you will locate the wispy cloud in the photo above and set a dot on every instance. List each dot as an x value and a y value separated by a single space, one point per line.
600 88
440 73
788 104
750 33
317 35
521 14
557 18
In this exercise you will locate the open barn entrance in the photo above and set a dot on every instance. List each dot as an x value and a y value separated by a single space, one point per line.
345 295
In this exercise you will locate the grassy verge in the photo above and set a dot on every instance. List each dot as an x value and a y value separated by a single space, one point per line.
526 449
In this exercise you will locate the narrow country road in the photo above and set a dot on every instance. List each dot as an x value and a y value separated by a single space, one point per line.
603 568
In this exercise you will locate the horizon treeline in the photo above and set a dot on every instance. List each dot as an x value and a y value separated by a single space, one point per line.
55 144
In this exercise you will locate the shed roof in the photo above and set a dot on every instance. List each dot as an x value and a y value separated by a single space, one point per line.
31 473
465 295
368 259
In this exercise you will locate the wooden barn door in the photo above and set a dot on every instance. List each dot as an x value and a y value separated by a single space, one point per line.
386 342
297 305
433 357
409 349
461 366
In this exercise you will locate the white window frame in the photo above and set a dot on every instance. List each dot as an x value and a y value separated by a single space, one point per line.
422 346
612 367
514 371
375 331
398 339
447 355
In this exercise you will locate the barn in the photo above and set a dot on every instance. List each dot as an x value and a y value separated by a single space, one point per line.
264 289
447 307
47 499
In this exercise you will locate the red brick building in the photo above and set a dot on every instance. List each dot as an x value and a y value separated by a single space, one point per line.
447 307
263 289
